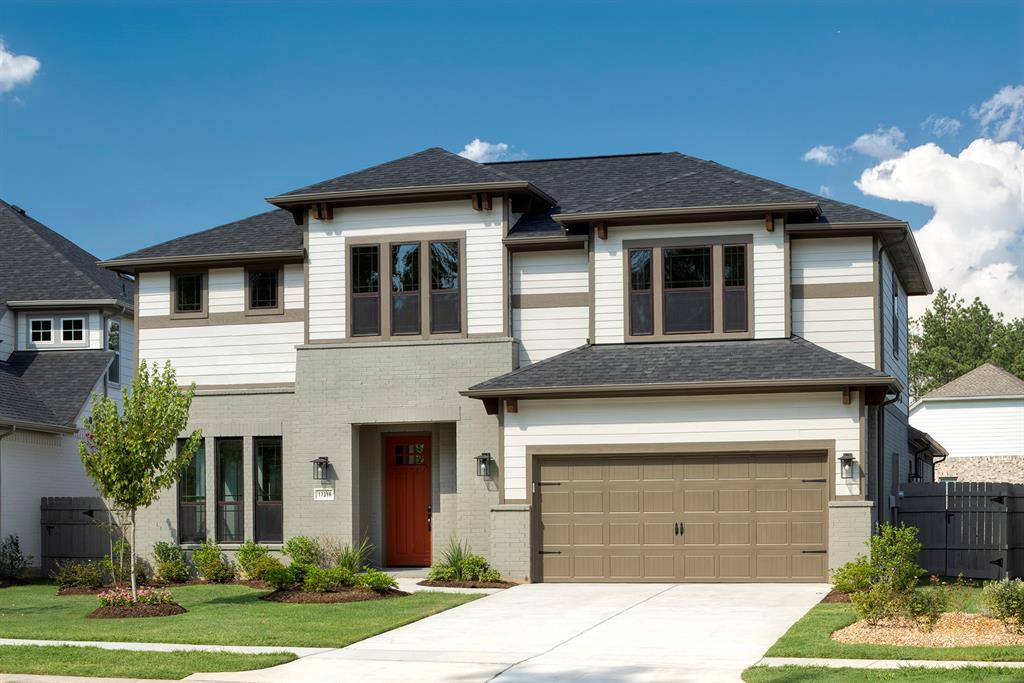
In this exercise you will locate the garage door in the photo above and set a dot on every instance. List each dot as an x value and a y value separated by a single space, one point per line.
742 517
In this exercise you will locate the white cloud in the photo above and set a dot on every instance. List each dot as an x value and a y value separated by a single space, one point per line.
974 242
826 155
941 126
881 144
482 151
15 69
825 191
1002 116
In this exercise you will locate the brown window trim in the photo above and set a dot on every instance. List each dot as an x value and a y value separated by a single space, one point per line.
276 310
204 294
218 527
385 242
350 295
717 244
745 287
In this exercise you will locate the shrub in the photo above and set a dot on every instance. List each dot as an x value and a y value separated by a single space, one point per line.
376 580
854 576
957 594
491 575
12 562
894 551
1005 601
457 563
925 606
472 567
122 597
285 578
170 562
303 550
880 603
119 565
441 572
71 574
211 564
250 555
325 580
349 557
453 555
259 567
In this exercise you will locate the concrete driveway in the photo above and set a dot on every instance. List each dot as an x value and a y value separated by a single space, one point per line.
563 632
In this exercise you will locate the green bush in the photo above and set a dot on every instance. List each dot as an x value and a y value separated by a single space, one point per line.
170 563
71 574
250 554
376 580
284 578
925 606
472 567
12 562
353 557
880 603
491 575
894 551
119 565
303 550
453 555
457 563
854 576
260 566
325 580
441 572
1004 600
211 564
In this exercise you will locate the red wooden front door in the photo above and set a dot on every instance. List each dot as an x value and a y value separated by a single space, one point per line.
407 500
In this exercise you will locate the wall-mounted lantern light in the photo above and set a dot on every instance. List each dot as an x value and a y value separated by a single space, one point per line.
320 466
483 465
846 465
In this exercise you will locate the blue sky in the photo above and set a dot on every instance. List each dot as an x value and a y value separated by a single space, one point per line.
150 120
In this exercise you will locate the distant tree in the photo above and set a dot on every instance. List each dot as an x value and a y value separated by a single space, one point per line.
130 454
952 338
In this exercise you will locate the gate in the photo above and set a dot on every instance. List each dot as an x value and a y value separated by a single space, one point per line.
74 529
969 528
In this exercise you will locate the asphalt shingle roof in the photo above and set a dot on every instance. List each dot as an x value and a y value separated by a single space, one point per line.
610 365
49 387
38 264
985 380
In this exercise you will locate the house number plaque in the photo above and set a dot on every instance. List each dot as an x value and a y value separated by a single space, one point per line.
323 494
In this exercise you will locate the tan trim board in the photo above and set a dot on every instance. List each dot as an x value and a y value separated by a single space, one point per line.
564 300
833 290
305 275
135 335
687 211
288 315
255 388
686 241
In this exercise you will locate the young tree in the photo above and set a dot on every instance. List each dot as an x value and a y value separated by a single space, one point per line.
951 339
130 454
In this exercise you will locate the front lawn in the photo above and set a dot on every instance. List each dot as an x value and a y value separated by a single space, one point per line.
815 674
70 660
217 615
811 637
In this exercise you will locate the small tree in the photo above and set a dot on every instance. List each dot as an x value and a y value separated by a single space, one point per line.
130 454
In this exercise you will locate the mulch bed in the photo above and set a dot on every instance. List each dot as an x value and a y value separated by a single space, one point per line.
836 596
129 611
80 590
7 583
345 595
466 584
954 629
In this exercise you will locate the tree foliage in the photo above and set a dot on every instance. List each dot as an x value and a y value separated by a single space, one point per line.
952 338
130 454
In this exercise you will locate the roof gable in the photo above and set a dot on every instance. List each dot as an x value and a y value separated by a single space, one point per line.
984 381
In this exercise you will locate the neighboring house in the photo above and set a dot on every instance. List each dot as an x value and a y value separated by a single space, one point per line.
65 332
979 418
643 367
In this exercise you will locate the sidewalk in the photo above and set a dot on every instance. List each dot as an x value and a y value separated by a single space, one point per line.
883 663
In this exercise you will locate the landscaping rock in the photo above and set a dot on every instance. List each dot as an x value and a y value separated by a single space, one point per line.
954 629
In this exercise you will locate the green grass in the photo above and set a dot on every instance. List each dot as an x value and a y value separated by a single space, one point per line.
92 661
812 637
819 674
217 615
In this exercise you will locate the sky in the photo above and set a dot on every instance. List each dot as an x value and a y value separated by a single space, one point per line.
126 124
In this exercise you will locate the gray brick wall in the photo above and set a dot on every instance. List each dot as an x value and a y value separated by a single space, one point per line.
510 541
849 527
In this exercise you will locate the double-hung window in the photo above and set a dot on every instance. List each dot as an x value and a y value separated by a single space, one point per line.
445 294
189 295
41 331
192 497
685 289
405 288
72 330
264 290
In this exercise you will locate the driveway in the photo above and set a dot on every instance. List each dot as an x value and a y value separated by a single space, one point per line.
570 632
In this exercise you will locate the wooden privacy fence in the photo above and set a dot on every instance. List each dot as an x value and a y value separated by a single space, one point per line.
74 529
970 528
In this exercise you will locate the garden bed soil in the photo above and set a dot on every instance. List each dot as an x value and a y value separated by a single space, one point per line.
344 595
836 596
80 590
466 584
954 629
131 611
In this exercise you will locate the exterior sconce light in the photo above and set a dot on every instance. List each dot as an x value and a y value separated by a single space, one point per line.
915 477
320 466
483 465
846 465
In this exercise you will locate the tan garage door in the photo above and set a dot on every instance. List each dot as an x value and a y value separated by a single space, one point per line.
742 517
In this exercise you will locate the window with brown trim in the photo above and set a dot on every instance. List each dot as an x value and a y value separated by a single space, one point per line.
734 283
365 290
192 497
269 508
445 285
230 490
686 287
641 293
188 293
263 288
405 288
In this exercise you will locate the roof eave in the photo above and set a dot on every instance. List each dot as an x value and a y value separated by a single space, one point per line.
546 242
565 218
69 303
291 200
130 265
37 426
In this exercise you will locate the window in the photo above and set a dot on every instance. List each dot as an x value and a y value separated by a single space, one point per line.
72 330
188 293
365 283
687 289
230 493
641 293
263 289
114 344
405 288
734 297
192 497
445 299
41 331
269 522
895 316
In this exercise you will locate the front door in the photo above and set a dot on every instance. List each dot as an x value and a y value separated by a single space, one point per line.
407 499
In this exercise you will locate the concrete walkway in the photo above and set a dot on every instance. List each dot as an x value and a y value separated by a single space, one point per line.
583 632
884 663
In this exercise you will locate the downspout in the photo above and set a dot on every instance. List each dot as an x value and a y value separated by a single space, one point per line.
2 437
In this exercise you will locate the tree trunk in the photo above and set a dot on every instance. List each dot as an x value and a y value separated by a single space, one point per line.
135 588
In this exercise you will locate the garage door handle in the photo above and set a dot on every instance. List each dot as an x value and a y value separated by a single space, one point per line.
679 528
813 481
549 552
813 552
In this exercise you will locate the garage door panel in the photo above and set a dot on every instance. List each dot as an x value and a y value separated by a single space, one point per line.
698 533
772 500
733 467
698 500
588 502
624 501
624 471
772 467
697 470
659 533
589 566
773 533
555 533
588 533
735 567
809 567
700 566
659 500
557 502
552 471
734 500
624 533
808 533
625 567
734 533
660 567
808 468
808 500
659 471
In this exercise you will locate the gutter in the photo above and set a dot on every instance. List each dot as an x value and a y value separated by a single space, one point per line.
687 211
117 263
66 303
285 200
39 427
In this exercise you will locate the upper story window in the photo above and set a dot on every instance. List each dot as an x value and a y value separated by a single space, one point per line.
72 330
189 294
264 290
114 344
425 294
41 331
682 289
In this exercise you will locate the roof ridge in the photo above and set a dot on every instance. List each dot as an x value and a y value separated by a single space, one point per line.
592 156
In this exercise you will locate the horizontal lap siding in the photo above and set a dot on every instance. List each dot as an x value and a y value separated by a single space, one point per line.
831 260
154 293
294 286
957 424
705 419
545 332
550 272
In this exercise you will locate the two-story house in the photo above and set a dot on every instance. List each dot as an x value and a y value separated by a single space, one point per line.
644 367
65 333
